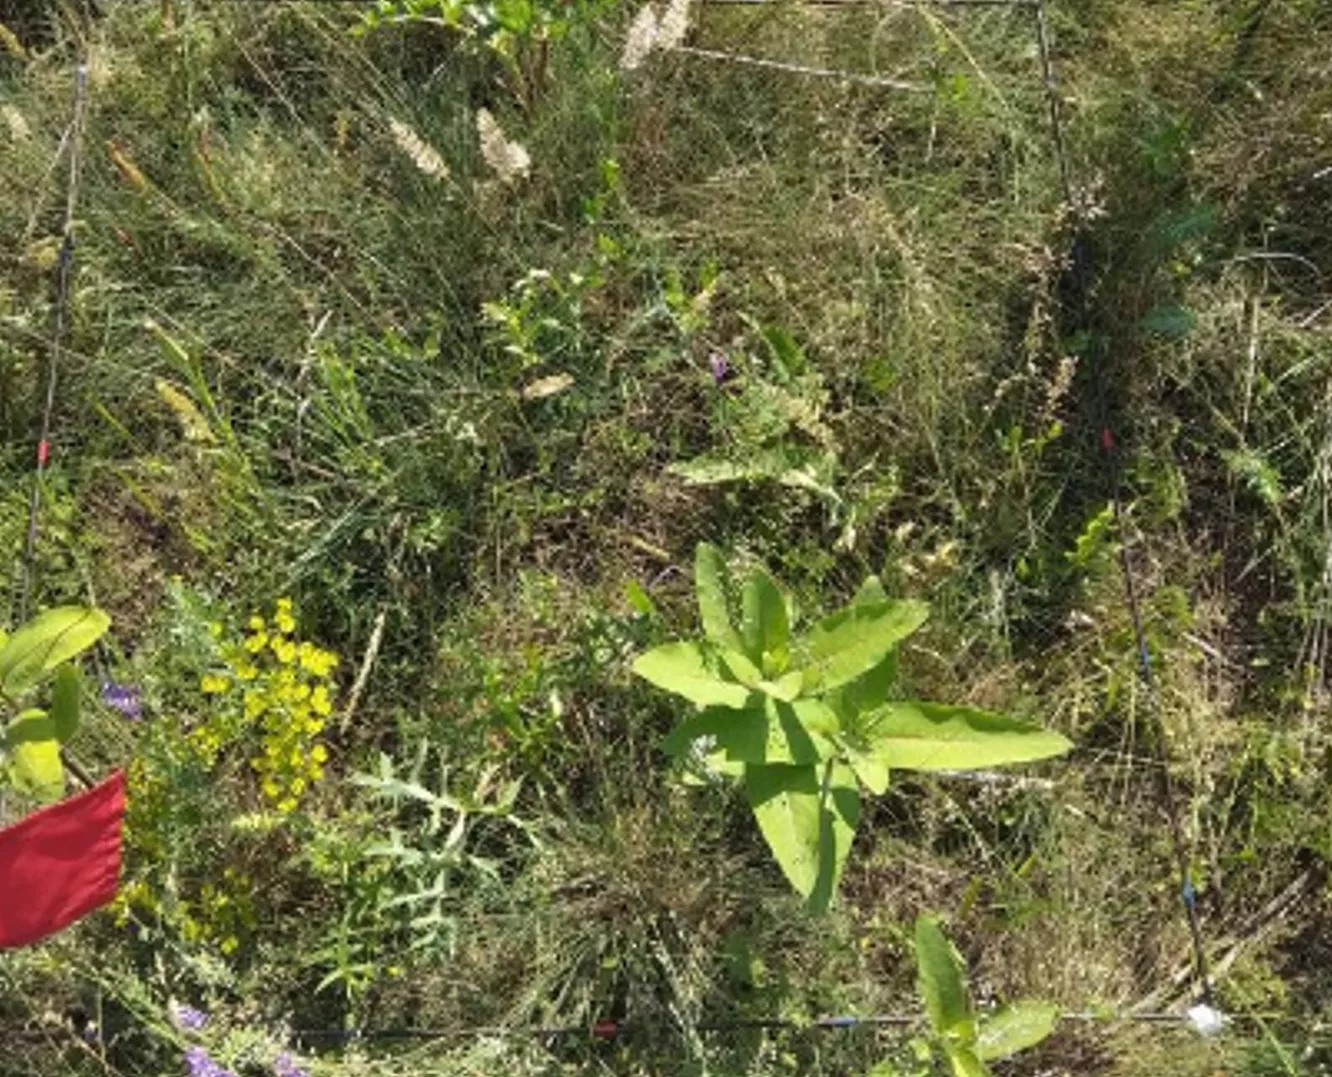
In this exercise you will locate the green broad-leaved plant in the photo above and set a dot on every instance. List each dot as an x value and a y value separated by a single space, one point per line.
969 1040
805 719
37 663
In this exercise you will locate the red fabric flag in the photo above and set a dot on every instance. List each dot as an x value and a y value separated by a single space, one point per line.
60 863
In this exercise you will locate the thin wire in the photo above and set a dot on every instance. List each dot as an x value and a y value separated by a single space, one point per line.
802 69
609 1029
63 266
879 3
1113 468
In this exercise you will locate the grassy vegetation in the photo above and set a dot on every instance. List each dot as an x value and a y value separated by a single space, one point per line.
468 422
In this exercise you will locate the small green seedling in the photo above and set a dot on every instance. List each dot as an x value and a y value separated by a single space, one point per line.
40 651
805 720
966 1039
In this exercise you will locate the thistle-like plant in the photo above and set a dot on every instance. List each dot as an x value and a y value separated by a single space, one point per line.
39 651
806 719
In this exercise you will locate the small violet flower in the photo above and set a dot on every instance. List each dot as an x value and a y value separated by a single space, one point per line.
201 1064
187 1017
721 369
285 1066
122 697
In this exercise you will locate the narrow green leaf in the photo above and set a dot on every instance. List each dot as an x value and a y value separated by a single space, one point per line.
50 638
915 735
34 756
639 599
808 823
683 668
712 581
942 986
1015 1028
766 628
66 695
854 640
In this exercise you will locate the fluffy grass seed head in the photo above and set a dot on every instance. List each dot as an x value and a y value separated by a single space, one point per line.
641 39
418 150
509 160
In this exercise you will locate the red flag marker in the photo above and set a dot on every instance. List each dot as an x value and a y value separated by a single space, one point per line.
43 452
1107 439
60 863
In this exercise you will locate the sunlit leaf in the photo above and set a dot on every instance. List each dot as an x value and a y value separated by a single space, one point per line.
683 668
766 628
50 638
914 735
767 731
34 755
939 969
854 640
808 823
712 581
964 1061
66 695
1015 1028
873 774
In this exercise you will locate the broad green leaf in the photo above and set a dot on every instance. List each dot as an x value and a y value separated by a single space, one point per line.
854 640
915 735
31 724
766 629
866 692
870 592
942 986
740 667
964 1061
786 688
873 775
766 732
1015 1028
712 581
66 695
50 638
807 822
34 756
871 688
682 668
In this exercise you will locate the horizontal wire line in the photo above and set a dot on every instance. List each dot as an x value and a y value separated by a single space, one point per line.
803 69
608 1029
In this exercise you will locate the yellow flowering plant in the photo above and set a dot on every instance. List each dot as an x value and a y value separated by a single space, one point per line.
274 684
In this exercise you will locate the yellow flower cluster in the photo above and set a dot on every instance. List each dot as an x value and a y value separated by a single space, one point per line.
281 686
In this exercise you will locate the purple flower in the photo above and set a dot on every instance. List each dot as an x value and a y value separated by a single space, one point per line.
285 1066
187 1017
201 1064
721 369
122 697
